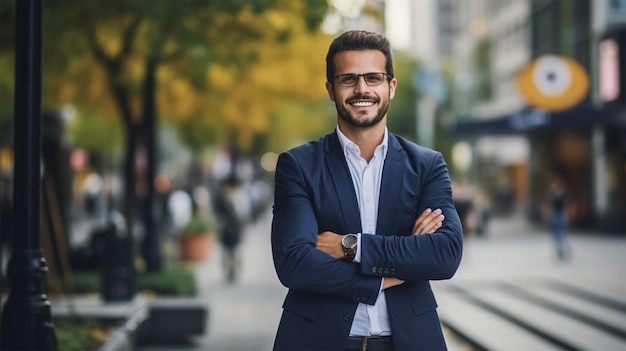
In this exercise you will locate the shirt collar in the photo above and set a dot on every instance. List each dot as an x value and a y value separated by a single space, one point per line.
345 142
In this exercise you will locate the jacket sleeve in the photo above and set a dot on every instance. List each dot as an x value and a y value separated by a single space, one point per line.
299 265
421 257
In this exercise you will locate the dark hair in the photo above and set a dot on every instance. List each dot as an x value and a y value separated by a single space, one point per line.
358 40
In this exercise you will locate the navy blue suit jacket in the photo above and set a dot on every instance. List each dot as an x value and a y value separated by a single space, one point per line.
314 193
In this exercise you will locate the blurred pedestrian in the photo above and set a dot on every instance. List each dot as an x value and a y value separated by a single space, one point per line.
557 202
348 213
230 224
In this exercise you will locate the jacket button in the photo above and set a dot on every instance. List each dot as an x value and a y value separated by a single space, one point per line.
374 269
380 270
347 317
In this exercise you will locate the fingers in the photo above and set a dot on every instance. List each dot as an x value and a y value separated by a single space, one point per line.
424 223
389 282
428 222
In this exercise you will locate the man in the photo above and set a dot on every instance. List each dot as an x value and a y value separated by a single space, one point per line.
348 209
557 208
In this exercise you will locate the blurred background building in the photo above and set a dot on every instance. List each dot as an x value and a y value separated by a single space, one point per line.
513 148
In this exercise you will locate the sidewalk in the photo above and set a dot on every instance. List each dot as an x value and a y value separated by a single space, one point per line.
244 315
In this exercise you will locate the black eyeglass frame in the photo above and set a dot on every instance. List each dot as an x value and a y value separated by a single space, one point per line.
358 76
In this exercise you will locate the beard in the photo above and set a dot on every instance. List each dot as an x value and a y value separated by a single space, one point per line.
349 118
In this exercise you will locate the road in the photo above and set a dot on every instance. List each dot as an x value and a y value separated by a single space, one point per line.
510 293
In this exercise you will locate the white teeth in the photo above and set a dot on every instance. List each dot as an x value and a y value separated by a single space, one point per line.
362 103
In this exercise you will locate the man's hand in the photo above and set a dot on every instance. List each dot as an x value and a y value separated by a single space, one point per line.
330 243
428 222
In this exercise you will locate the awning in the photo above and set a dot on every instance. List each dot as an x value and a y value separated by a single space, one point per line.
531 120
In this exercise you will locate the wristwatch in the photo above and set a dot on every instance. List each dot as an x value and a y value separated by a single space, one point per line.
348 243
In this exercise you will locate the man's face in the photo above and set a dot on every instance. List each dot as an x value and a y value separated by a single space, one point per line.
361 105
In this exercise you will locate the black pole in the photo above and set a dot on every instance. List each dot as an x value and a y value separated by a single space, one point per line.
151 242
26 317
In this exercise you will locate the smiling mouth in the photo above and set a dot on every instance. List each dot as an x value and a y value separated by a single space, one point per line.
362 103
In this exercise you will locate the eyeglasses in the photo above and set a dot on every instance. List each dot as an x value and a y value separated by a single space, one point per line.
352 79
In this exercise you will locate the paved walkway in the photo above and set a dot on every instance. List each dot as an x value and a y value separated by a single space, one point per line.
244 315
512 293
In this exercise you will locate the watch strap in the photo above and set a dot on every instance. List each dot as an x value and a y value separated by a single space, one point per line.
349 253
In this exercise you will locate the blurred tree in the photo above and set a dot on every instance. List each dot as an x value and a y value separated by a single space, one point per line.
285 66
402 111
212 65
7 61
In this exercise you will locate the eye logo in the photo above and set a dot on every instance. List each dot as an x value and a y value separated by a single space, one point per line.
553 83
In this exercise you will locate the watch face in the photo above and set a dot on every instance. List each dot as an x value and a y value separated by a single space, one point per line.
349 241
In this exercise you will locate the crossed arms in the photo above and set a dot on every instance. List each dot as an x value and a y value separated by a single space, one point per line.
305 258
428 222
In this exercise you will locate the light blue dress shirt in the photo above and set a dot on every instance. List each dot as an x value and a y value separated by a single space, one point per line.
366 177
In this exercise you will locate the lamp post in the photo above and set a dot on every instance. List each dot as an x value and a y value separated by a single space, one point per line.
429 83
26 317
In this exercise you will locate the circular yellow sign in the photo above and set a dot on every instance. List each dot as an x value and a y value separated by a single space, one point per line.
553 83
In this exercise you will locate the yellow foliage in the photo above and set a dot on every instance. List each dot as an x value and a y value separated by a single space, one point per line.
277 19
284 73
110 39
134 69
181 98
220 77
66 92
98 86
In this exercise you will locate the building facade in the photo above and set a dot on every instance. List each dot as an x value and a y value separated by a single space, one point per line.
524 147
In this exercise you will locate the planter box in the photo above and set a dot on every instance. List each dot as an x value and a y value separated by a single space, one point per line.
93 307
174 320
140 321
126 316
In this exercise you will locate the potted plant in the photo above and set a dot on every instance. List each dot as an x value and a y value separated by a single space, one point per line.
197 238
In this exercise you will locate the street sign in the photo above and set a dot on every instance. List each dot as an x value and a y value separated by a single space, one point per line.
553 83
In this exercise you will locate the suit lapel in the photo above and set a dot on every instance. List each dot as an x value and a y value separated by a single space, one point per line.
344 188
391 182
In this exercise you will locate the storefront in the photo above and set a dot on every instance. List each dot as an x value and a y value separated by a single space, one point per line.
585 145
